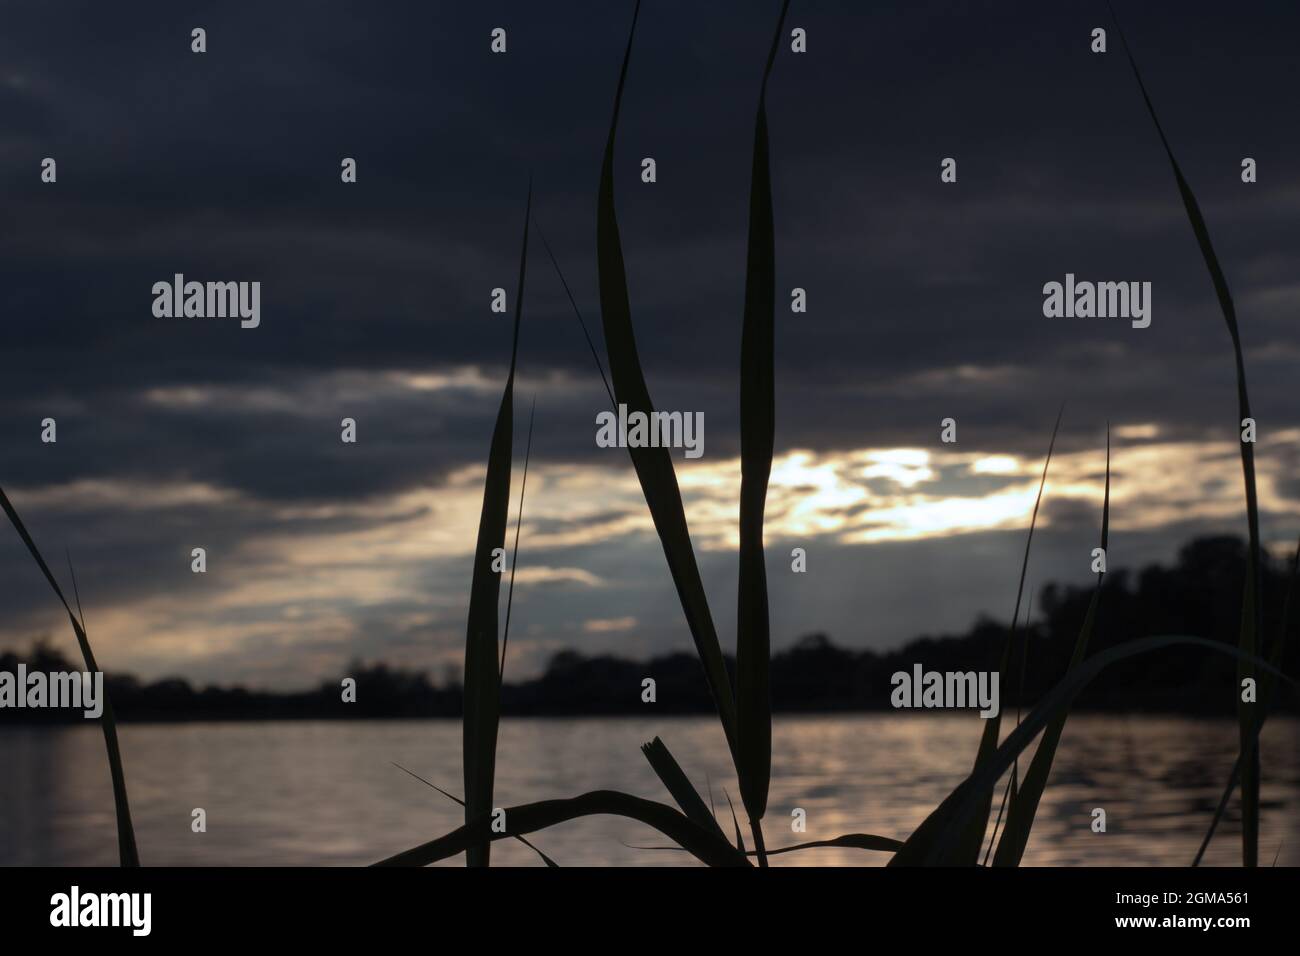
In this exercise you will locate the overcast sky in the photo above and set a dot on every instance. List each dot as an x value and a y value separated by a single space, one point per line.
924 302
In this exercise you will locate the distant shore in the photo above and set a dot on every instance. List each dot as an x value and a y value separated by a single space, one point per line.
1199 596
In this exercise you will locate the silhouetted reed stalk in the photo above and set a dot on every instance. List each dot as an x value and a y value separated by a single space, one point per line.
1252 612
127 852
482 683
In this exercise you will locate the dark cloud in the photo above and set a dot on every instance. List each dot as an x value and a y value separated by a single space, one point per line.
924 299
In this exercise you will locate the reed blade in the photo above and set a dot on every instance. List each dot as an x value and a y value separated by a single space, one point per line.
519 523
654 466
1024 805
757 442
962 806
126 848
850 841
679 785
455 799
1265 702
1252 603
482 683
920 846
740 836
706 845
582 323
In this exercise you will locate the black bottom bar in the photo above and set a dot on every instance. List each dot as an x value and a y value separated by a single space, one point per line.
444 904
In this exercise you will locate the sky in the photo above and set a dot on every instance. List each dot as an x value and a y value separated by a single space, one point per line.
924 302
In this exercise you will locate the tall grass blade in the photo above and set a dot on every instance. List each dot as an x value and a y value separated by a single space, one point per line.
654 466
705 844
1265 698
126 849
76 593
1252 604
1008 794
1234 777
679 785
740 836
963 805
1013 782
1020 818
519 523
576 311
482 670
757 441
919 846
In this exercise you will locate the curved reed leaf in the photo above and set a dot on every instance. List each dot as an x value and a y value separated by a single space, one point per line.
679 785
482 670
961 806
1024 804
455 799
706 845
852 841
1252 603
126 849
919 845
757 441
654 466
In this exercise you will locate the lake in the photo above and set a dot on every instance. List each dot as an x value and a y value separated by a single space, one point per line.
327 793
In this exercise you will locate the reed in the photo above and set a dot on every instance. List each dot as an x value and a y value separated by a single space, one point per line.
918 848
482 683
126 848
1024 802
1252 610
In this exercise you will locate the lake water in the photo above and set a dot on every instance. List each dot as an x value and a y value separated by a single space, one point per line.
326 793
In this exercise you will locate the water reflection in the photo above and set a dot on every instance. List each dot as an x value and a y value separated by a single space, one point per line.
326 793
